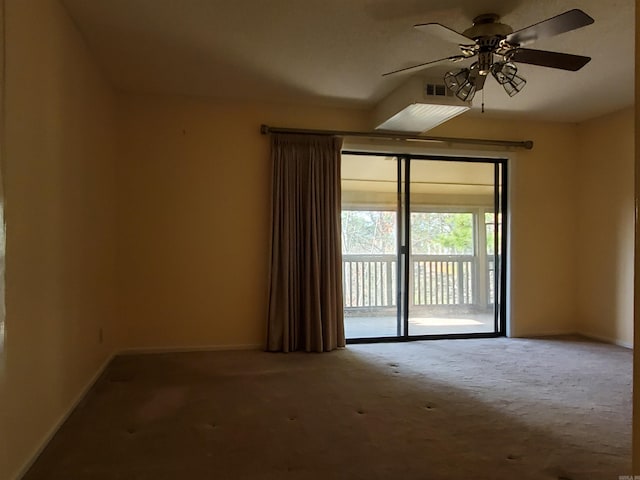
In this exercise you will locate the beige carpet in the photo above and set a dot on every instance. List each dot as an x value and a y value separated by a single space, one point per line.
455 409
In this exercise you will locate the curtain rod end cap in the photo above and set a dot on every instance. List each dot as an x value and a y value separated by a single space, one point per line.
264 129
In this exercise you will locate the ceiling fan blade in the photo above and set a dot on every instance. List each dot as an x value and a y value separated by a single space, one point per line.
565 22
433 63
563 61
444 33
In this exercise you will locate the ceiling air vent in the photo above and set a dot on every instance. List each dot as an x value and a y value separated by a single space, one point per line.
437 90
417 106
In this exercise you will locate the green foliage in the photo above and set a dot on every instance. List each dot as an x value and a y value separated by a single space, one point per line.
373 233
442 233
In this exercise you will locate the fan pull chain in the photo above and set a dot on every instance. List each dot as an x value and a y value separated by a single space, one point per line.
483 100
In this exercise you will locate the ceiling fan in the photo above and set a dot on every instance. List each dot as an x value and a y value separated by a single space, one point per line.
498 48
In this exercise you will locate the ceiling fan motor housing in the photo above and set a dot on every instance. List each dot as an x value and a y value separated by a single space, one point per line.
487 25
488 33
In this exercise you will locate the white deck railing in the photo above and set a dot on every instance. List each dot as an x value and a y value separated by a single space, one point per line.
370 281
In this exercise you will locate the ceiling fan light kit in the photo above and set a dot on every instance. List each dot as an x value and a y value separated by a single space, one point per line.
506 74
498 48
462 83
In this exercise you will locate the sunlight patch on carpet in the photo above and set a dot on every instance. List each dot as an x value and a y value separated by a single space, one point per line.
442 322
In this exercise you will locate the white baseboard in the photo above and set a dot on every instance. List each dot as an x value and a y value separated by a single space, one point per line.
200 348
543 333
89 384
554 333
212 348
63 418
603 338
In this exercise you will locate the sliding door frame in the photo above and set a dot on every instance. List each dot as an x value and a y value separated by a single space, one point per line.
403 225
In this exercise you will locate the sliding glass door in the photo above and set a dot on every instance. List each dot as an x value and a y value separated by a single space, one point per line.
422 246
370 245
450 281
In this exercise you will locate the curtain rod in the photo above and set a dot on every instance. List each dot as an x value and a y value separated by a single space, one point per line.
526 144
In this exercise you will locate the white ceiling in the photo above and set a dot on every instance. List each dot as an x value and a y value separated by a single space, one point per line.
335 51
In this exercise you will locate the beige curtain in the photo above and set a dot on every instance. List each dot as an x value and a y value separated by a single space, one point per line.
305 296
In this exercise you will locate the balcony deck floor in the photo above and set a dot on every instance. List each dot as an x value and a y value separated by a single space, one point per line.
358 326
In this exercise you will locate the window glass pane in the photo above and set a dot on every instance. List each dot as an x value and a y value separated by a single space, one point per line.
442 233
449 266
368 232
369 248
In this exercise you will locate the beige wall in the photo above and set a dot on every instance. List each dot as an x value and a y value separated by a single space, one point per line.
60 271
185 185
194 213
606 222
543 220
194 217
636 296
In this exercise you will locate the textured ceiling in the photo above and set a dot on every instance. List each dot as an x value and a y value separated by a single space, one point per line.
335 51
